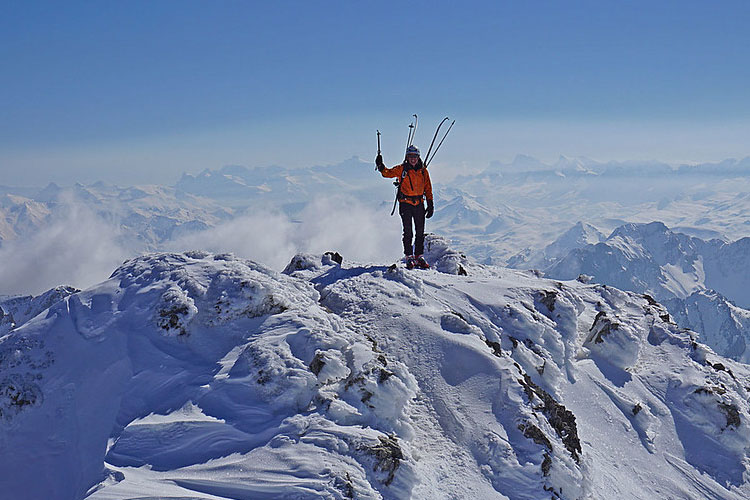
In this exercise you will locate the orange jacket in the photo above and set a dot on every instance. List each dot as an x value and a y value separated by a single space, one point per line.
414 183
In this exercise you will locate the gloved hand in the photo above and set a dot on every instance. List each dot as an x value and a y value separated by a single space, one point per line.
379 162
430 209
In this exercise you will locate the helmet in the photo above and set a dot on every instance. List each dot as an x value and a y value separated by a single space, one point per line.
412 150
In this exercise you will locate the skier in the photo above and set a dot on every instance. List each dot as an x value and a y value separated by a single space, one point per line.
414 185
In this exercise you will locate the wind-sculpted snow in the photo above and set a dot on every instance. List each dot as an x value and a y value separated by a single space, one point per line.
183 365
201 375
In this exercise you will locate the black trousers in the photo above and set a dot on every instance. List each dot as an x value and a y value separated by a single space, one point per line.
412 214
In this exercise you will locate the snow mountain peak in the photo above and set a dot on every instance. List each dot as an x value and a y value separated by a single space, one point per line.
202 375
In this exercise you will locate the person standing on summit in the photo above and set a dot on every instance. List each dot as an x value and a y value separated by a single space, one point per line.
414 188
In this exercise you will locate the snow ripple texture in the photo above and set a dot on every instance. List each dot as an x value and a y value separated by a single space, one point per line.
205 376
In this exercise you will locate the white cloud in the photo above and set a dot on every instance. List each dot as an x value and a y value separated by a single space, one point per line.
79 248
76 248
340 224
262 237
347 226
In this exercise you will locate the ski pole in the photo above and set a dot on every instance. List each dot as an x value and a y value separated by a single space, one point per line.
378 131
397 183
428 160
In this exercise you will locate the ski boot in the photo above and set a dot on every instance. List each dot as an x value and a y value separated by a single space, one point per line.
411 262
421 263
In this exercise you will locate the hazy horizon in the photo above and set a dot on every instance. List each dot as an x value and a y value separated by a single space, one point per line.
441 170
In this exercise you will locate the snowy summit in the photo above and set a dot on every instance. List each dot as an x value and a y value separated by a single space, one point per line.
205 376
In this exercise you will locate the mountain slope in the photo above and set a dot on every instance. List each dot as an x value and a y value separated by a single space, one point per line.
680 270
644 258
206 376
722 325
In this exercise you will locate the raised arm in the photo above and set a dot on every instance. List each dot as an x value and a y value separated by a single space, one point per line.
391 172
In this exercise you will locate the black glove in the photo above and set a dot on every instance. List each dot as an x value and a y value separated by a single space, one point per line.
430 209
379 162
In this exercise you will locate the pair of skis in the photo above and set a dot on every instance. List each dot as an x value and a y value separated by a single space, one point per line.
427 157
413 131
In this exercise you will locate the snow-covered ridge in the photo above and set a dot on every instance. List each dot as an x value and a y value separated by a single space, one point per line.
578 236
206 376
15 311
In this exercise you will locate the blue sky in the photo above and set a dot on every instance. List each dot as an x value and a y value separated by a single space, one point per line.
140 91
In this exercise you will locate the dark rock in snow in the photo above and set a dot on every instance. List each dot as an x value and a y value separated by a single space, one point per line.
560 418
601 327
496 348
534 433
335 257
732 413
389 456
317 363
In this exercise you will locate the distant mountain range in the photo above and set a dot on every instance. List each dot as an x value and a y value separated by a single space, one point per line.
664 263
242 186
146 215
524 165
496 214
